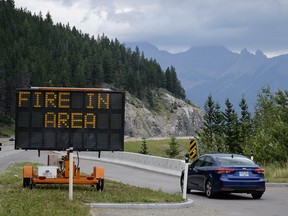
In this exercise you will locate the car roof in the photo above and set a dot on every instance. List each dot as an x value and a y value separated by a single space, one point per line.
224 155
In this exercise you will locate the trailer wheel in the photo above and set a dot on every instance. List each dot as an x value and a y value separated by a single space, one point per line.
100 185
26 182
31 183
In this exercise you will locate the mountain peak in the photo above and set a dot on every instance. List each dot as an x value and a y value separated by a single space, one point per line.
259 53
245 52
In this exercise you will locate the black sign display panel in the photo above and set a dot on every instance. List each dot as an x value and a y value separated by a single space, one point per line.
59 118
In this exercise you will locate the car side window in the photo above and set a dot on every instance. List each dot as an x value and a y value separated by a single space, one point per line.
199 162
208 161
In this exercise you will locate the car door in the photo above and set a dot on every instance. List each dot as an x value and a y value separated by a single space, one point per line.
203 171
194 174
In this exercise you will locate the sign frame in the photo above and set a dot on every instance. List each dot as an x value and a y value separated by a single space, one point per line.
52 118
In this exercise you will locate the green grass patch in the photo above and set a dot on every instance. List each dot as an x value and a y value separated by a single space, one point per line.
158 147
54 199
276 173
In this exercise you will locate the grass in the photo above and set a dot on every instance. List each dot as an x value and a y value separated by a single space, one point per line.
158 147
273 172
53 199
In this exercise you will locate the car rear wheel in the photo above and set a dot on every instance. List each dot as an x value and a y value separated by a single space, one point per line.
209 189
256 195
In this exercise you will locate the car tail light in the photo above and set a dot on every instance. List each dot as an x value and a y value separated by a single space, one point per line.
224 170
258 171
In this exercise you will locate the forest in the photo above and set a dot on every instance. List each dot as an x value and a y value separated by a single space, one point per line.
34 51
264 133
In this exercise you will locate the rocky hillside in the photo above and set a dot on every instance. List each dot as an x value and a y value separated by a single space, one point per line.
173 117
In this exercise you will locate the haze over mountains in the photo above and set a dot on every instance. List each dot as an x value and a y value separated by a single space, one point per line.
224 74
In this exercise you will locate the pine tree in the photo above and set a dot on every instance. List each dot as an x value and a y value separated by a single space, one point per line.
173 150
211 134
108 67
49 18
209 115
231 128
144 147
245 123
168 79
150 99
218 120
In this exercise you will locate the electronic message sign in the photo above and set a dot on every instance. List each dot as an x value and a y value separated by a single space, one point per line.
86 119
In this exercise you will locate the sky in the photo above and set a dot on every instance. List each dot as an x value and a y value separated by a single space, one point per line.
176 25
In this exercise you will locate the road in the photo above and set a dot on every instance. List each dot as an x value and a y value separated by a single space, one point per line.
9 156
273 202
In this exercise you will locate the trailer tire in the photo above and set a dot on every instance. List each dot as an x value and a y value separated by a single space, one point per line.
100 185
31 183
26 182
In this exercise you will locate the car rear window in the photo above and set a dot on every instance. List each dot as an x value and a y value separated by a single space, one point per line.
235 161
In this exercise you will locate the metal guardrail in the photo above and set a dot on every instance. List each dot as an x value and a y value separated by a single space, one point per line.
158 164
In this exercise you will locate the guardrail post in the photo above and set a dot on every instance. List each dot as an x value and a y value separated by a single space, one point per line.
185 177
252 153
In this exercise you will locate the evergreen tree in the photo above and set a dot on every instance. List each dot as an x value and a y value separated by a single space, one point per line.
173 84
150 99
173 150
108 67
245 124
144 147
218 120
168 79
49 18
231 128
209 123
211 134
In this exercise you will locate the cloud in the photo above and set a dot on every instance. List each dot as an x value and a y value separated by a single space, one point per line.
176 25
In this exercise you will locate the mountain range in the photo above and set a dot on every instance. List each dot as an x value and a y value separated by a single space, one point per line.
222 73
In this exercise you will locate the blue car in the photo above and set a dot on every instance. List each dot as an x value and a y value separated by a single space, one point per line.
225 173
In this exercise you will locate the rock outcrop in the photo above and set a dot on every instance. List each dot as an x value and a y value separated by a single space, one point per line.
172 117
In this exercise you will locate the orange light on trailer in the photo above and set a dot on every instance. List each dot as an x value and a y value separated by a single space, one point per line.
42 177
